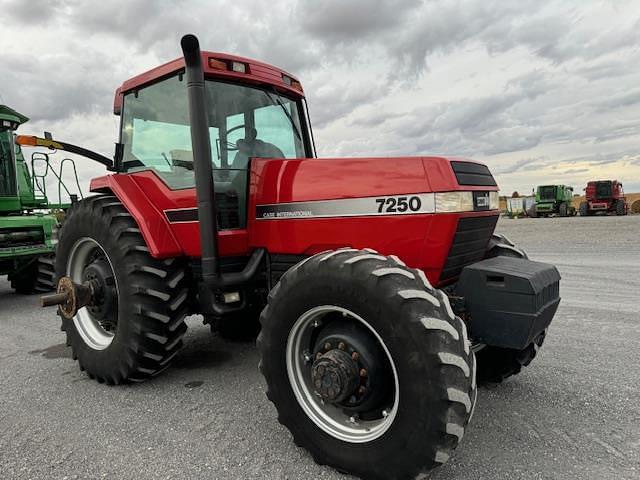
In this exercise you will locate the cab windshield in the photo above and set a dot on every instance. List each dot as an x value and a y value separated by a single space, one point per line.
548 192
244 122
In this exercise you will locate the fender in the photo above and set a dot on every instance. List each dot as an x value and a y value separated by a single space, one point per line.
153 225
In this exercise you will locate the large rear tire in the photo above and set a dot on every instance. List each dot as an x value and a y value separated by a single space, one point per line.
415 393
495 364
136 328
621 208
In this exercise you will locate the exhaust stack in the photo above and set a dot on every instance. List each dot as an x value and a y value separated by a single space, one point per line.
201 146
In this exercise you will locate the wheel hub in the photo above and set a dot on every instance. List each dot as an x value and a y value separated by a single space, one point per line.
335 376
342 374
99 273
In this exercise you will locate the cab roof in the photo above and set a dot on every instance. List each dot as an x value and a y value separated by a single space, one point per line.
217 65
11 117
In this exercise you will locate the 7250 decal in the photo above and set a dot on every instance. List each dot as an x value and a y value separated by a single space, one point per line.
399 204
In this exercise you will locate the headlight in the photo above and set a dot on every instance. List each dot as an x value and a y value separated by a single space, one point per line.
454 202
494 200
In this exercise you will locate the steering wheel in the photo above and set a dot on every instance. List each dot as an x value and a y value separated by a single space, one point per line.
230 145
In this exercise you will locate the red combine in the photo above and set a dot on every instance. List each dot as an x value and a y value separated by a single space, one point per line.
384 292
604 196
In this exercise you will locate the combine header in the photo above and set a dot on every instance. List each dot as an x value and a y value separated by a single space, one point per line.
384 293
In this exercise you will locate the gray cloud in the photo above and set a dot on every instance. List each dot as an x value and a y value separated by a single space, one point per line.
336 21
545 80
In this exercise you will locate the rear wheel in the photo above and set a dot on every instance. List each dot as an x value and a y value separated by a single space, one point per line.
134 327
494 363
584 209
563 209
37 277
367 365
621 208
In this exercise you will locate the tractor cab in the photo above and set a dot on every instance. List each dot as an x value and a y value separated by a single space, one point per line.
603 190
252 111
10 120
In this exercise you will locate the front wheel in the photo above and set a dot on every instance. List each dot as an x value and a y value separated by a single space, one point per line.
621 208
361 354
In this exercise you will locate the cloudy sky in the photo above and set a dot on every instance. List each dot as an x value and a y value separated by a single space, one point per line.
542 91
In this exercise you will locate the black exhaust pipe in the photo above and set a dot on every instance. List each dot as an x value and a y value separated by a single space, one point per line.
212 280
201 146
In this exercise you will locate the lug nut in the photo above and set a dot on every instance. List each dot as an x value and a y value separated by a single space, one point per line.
355 356
327 346
362 390
342 346
318 355
363 372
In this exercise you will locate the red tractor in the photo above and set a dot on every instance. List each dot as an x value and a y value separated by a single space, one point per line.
604 196
384 293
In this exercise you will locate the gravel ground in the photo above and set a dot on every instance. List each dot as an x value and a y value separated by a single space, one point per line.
574 413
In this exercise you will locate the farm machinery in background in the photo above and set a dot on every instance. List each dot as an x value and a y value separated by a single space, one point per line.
383 293
28 221
604 196
553 200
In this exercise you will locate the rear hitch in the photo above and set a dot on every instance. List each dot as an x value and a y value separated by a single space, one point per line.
70 297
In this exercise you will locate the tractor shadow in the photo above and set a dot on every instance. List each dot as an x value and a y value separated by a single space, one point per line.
54 351
193 358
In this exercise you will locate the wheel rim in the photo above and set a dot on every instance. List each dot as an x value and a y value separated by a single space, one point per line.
90 328
333 419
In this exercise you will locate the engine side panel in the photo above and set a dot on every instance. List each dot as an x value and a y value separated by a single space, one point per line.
421 239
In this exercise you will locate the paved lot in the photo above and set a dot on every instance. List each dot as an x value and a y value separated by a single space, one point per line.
575 413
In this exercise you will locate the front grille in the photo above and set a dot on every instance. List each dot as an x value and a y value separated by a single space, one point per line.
468 173
469 244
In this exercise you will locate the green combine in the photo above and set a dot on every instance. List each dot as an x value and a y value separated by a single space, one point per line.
553 200
28 221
